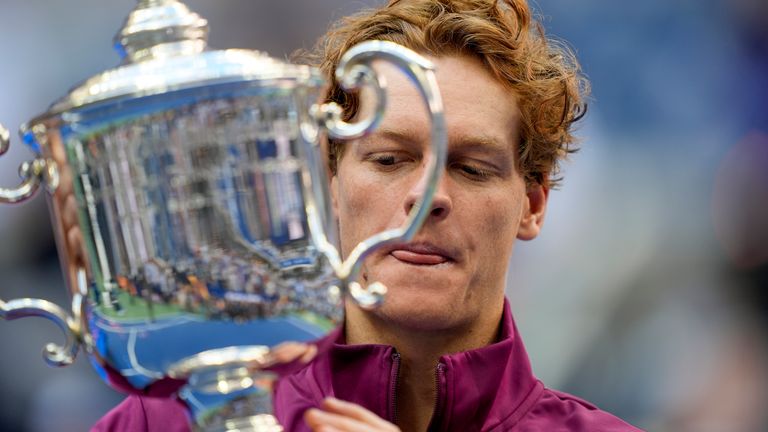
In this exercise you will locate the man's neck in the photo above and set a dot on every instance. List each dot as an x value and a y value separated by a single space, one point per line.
416 393
420 352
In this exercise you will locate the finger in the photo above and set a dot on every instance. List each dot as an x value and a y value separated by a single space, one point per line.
356 412
288 352
325 428
319 420
310 354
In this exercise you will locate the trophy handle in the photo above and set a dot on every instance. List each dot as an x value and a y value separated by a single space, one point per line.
32 173
354 70
54 355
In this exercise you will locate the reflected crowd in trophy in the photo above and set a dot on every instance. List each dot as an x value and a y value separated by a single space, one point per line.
176 267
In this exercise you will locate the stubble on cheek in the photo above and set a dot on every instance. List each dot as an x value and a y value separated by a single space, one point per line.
493 245
367 206
349 213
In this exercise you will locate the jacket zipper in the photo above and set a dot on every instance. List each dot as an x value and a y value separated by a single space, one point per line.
393 381
437 412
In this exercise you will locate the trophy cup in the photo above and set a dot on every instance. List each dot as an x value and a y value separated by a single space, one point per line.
190 205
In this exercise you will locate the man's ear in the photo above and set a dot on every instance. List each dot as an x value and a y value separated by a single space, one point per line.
534 208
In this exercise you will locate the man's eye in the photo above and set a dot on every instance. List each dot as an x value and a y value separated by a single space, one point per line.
386 160
474 172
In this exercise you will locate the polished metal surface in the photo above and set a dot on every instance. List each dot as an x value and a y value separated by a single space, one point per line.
161 29
32 174
55 355
191 210
353 71
164 49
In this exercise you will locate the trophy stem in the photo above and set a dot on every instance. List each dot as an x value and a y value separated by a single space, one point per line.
257 423
231 400
229 389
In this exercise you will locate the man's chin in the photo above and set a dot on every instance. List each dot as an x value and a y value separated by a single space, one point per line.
418 313
419 297
413 281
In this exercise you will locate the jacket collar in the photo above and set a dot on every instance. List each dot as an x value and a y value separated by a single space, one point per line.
485 386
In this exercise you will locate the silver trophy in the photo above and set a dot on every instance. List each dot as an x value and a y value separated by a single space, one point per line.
189 200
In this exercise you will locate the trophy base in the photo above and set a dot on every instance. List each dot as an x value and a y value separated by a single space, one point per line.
230 389
256 423
231 400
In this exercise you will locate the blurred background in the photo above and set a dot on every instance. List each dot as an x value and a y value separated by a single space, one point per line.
647 292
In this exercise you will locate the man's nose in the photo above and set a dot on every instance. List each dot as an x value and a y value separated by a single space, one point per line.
441 203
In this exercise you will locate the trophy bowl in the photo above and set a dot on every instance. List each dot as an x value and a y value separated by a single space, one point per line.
189 199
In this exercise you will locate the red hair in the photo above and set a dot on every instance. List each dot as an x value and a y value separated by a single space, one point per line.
543 74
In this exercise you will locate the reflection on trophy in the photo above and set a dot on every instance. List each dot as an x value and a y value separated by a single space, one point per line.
190 205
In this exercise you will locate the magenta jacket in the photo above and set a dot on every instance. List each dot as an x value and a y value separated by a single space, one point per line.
488 389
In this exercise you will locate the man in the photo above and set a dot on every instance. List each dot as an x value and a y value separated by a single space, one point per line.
442 353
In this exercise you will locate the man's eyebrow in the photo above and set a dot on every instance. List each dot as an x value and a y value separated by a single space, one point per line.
483 143
405 136
480 142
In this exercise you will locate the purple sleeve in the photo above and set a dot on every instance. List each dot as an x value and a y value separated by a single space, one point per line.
145 414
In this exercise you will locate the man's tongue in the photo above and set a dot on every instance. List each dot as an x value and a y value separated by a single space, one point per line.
418 258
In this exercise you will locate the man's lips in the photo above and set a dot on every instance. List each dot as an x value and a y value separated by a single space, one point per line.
420 254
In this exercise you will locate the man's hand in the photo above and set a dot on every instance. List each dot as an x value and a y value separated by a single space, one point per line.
340 416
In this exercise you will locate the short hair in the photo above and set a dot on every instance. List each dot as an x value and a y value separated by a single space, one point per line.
542 73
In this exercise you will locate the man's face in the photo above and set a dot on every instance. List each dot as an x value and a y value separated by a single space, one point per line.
453 272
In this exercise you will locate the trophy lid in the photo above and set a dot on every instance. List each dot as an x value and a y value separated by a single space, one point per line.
163 46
